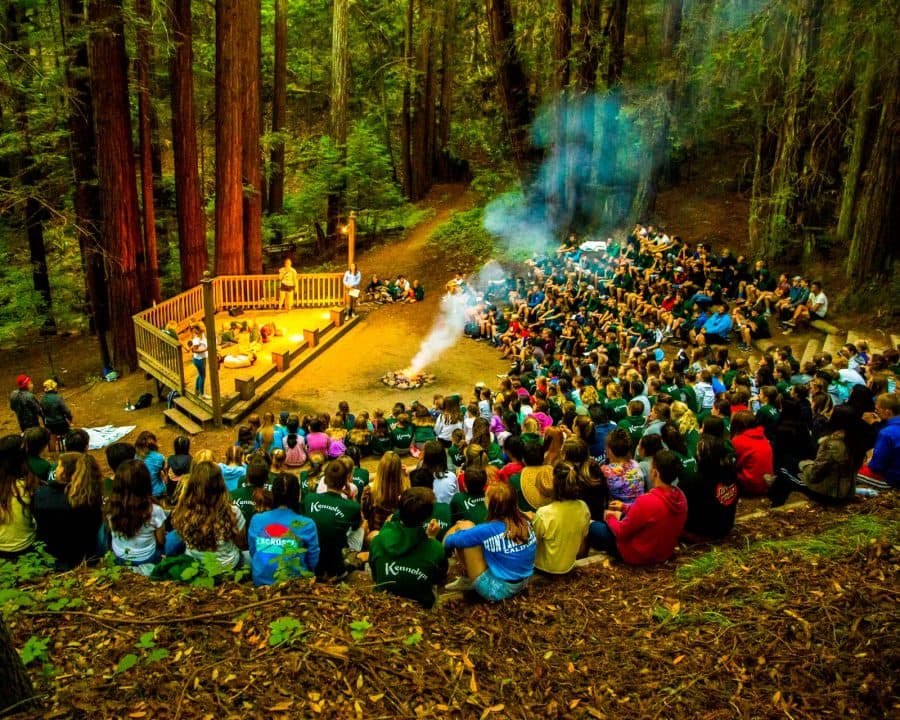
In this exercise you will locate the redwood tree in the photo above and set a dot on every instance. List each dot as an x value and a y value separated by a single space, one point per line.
121 235
250 123
279 109
340 81
229 136
188 197
15 686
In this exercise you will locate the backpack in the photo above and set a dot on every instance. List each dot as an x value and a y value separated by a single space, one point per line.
170 399
294 456
144 401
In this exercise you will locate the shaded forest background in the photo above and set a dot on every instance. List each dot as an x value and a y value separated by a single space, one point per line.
144 142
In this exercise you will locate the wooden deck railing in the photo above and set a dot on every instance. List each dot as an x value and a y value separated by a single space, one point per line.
162 356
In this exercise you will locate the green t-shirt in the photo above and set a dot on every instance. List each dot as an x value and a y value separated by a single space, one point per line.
634 426
360 479
689 397
406 562
444 518
457 455
243 498
402 437
380 445
468 507
39 467
515 482
617 409
334 516
423 434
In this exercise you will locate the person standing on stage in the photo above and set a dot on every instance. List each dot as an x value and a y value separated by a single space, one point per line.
197 346
287 279
352 278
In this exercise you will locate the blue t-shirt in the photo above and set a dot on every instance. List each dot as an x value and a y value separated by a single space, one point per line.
276 539
233 475
155 462
505 559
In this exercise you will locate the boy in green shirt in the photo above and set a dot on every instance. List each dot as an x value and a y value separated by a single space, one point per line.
470 505
634 424
335 518
405 557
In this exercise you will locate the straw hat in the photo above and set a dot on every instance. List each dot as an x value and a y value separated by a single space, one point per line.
537 485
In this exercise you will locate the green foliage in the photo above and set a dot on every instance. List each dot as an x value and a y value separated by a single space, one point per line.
285 631
359 629
126 662
464 234
108 571
413 639
35 648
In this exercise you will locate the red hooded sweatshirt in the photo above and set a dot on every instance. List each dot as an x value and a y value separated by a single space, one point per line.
650 528
754 459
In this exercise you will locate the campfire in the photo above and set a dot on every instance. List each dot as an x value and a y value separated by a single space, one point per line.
406 379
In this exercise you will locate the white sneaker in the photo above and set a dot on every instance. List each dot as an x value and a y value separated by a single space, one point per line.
206 396
461 583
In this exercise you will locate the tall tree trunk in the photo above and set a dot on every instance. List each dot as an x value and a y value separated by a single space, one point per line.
15 685
279 109
873 245
252 178
229 146
406 120
516 98
786 202
340 86
188 194
148 257
448 35
589 52
648 184
618 19
82 150
116 173
423 104
559 211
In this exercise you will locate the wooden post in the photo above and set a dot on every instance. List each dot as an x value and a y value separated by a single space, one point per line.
351 238
212 357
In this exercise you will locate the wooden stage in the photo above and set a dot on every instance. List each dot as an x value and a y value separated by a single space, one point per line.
300 335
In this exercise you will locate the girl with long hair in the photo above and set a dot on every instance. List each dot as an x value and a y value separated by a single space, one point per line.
233 469
433 473
147 447
294 444
270 437
136 523
498 555
381 496
68 512
451 417
17 485
207 520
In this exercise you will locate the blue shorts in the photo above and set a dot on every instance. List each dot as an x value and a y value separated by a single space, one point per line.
494 589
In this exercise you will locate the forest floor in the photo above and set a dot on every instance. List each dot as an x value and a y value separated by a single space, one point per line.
795 615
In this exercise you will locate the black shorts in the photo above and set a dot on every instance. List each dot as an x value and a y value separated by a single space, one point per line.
287 288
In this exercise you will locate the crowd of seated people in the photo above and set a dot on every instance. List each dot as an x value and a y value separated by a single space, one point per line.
595 439
398 289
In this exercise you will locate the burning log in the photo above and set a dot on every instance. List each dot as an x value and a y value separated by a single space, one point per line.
407 379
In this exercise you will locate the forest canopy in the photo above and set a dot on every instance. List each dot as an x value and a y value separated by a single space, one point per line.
145 142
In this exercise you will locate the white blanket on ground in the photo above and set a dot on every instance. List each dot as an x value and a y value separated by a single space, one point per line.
107 435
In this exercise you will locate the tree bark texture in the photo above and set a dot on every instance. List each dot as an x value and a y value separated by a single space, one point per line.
786 203
191 217
251 120
121 235
618 19
560 190
423 107
229 136
82 150
279 109
876 222
340 81
15 685
448 35
148 255
512 81
406 110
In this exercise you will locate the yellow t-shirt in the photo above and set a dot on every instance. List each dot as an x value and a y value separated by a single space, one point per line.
17 533
560 529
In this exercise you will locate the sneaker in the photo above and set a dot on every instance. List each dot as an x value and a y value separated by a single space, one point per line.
206 396
462 583
788 330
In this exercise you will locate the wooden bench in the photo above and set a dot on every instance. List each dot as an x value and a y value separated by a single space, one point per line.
282 359
311 337
245 387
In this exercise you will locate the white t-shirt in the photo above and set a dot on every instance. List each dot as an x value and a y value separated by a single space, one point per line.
227 553
821 300
141 546
197 342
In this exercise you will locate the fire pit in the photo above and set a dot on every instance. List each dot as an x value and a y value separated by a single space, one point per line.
407 379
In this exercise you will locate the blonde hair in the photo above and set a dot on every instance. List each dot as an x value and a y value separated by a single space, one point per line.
390 482
50 385
83 479
684 418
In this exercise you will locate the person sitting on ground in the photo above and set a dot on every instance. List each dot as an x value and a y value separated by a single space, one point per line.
116 454
470 504
830 478
882 471
283 543
380 497
534 483
561 526
269 437
147 448
178 465
405 557
37 439
338 521
207 522
623 475
403 432
439 477
716 329
250 495
68 512
17 487
137 525
317 441
646 531
497 557
752 325
712 494
360 436
233 469
753 454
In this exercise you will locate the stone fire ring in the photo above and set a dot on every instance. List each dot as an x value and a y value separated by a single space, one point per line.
401 382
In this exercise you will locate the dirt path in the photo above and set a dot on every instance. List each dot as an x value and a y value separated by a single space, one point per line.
386 339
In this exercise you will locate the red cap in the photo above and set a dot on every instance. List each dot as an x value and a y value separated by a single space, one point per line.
23 381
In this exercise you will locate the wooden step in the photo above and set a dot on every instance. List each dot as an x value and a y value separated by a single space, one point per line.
178 418
825 327
194 410
832 344
812 347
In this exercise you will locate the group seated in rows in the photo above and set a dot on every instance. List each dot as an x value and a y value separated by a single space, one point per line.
398 289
